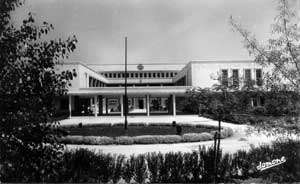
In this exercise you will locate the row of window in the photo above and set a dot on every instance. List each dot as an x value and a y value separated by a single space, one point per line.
95 82
236 78
140 74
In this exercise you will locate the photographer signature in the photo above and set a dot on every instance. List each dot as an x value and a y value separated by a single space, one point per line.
266 165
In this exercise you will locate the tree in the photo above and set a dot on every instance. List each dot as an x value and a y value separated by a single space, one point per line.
28 85
281 55
282 51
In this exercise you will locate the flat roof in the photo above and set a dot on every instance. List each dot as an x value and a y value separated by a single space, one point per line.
137 90
134 67
157 66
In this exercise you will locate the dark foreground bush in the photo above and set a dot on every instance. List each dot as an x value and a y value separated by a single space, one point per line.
196 167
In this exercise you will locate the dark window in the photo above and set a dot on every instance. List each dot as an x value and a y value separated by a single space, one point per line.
248 76
167 74
115 75
131 75
90 82
258 77
154 75
224 79
141 75
136 75
171 74
110 75
150 75
123 75
158 75
145 75
162 75
235 78
119 75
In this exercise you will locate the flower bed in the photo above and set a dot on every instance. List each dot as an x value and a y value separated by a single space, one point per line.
148 139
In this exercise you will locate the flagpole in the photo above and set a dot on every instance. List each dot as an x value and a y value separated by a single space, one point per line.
126 99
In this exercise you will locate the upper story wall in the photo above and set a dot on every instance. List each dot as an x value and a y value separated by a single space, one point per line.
85 77
139 73
205 73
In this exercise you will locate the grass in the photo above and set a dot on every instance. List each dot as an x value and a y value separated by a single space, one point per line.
133 130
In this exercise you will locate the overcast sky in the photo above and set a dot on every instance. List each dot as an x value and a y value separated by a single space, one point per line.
175 31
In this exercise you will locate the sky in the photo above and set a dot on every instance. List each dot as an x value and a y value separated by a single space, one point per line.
158 31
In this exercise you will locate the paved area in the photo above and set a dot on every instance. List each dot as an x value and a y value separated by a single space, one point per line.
191 119
240 140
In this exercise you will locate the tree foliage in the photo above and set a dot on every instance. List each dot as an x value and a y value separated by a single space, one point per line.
281 53
28 85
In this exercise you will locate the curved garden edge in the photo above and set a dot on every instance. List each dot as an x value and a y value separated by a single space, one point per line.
145 139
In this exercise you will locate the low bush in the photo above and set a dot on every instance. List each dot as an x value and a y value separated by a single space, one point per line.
90 140
226 132
194 137
125 140
150 139
144 139
197 167
259 110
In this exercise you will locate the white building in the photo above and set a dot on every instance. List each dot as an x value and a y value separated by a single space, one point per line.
98 90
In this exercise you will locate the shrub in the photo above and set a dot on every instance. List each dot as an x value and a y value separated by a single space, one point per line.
170 139
92 140
125 140
85 166
192 167
104 167
138 124
226 132
196 137
156 139
174 163
140 169
128 171
207 156
198 167
118 168
258 110
153 163
145 139
163 169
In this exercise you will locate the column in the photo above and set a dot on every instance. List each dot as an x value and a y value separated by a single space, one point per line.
96 106
100 105
70 106
148 104
122 105
106 106
174 104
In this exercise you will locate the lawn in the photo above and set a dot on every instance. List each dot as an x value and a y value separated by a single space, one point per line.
134 130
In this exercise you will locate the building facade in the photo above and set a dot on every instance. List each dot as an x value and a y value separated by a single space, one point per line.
98 90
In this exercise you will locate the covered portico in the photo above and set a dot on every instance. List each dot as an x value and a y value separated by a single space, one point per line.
144 100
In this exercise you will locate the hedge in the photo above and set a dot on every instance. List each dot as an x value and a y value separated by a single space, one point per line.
145 139
197 167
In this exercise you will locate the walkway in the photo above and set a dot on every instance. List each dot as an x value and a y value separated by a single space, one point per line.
240 139
191 119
